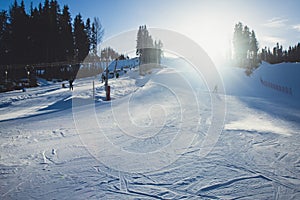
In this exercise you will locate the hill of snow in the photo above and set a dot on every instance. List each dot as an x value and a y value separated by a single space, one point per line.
156 139
277 81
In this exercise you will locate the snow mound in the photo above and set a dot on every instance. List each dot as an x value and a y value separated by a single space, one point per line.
279 81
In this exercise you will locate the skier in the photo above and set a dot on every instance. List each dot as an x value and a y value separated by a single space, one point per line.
102 78
71 84
215 89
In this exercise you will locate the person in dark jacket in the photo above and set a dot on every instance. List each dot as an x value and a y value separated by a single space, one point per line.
71 84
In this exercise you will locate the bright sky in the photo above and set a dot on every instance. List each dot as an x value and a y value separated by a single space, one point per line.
210 23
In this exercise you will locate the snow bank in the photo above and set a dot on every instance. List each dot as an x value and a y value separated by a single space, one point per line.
278 81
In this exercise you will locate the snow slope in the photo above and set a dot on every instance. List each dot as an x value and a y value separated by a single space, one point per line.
278 80
148 142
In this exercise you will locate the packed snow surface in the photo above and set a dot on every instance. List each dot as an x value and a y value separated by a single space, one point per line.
151 140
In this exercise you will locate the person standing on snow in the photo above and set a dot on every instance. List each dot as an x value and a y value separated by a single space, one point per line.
215 89
71 84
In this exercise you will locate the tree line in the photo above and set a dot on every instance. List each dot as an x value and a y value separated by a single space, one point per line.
279 55
46 34
246 50
45 42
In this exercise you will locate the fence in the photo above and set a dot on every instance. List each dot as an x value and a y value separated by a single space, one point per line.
274 86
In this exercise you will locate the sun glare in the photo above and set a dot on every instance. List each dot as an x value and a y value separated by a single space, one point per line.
212 32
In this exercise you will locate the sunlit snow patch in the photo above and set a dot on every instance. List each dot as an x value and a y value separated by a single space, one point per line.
260 125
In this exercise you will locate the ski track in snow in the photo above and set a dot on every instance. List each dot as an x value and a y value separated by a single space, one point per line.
42 155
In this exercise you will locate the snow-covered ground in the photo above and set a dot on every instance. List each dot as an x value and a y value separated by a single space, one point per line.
151 141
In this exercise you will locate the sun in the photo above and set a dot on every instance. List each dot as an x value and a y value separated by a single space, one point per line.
212 33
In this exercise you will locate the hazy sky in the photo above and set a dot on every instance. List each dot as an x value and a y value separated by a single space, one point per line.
210 23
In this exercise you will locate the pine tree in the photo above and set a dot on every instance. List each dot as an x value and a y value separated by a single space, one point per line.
159 52
246 47
298 52
139 42
245 43
279 53
146 49
4 46
97 34
18 37
80 39
66 38
88 31
253 46
94 40
53 25
237 42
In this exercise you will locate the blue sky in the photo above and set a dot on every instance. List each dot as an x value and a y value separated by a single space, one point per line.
208 22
